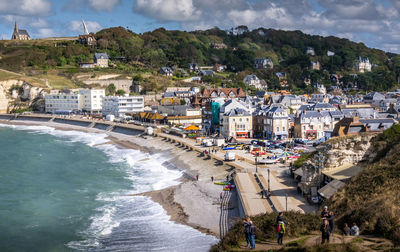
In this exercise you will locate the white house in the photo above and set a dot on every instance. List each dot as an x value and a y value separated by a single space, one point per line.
310 51
252 80
363 65
263 63
120 105
101 60
93 99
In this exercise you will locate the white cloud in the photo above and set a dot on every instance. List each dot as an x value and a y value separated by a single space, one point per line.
45 33
25 7
103 5
76 26
169 10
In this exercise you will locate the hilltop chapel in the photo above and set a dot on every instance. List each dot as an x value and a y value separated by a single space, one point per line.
20 34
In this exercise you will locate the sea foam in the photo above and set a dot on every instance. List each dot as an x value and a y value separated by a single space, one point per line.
147 173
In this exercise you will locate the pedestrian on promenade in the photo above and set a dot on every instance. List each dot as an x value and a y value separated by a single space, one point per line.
325 231
212 179
280 227
253 230
227 177
247 225
346 229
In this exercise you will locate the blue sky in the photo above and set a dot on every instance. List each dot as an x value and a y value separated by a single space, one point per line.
373 22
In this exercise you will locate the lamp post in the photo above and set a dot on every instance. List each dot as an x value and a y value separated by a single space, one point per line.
256 162
318 164
269 187
286 195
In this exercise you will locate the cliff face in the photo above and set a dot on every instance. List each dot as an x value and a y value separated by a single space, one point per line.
347 151
20 94
336 153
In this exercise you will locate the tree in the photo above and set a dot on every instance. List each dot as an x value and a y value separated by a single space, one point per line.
120 92
183 102
111 89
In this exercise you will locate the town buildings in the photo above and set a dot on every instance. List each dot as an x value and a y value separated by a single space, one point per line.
85 100
237 123
121 105
263 63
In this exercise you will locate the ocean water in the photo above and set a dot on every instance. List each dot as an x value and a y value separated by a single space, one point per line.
69 191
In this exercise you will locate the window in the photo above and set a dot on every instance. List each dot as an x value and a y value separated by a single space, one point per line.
283 128
240 119
277 129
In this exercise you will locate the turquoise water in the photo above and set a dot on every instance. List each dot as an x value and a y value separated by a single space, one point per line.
67 190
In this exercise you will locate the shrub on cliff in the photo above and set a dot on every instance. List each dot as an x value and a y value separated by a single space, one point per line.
372 198
300 224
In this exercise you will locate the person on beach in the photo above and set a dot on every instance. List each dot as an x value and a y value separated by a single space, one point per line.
197 177
253 230
325 231
212 179
346 229
247 224
221 195
280 227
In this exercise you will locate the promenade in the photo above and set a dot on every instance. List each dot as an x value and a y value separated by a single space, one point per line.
281 184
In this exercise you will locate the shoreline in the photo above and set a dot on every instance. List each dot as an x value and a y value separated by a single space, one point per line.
192 203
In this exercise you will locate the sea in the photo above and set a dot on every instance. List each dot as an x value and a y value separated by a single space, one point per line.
72 191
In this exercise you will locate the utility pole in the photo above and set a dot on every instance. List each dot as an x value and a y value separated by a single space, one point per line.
269 187
286 195
256 162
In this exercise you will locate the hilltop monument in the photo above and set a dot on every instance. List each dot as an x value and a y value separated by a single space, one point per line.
88 38
20 34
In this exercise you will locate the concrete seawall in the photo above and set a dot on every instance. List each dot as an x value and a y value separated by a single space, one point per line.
126 129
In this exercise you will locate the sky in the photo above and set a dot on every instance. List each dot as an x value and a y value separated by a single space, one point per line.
376 23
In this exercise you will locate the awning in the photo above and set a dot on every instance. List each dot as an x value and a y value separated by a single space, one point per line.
191 127
343 172
328 190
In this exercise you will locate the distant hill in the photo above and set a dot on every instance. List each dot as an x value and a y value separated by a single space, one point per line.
236 49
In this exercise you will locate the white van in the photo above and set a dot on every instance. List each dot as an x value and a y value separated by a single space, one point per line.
230 156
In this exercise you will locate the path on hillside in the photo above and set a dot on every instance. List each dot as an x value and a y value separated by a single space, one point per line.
365 243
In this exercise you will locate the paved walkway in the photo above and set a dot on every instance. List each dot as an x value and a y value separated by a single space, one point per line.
249 191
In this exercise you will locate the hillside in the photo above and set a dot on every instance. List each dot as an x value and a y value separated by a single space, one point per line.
236 49
372 199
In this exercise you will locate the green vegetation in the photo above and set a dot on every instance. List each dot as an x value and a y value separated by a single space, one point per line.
132 53
371 199
300 161
299 225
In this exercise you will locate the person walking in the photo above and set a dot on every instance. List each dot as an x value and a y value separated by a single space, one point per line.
325 212
247 225
325 231
346 229
221 195
197 177
331 220
354 231
280 228
212 178
253 230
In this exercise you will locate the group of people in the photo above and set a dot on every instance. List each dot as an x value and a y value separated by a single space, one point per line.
328 226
